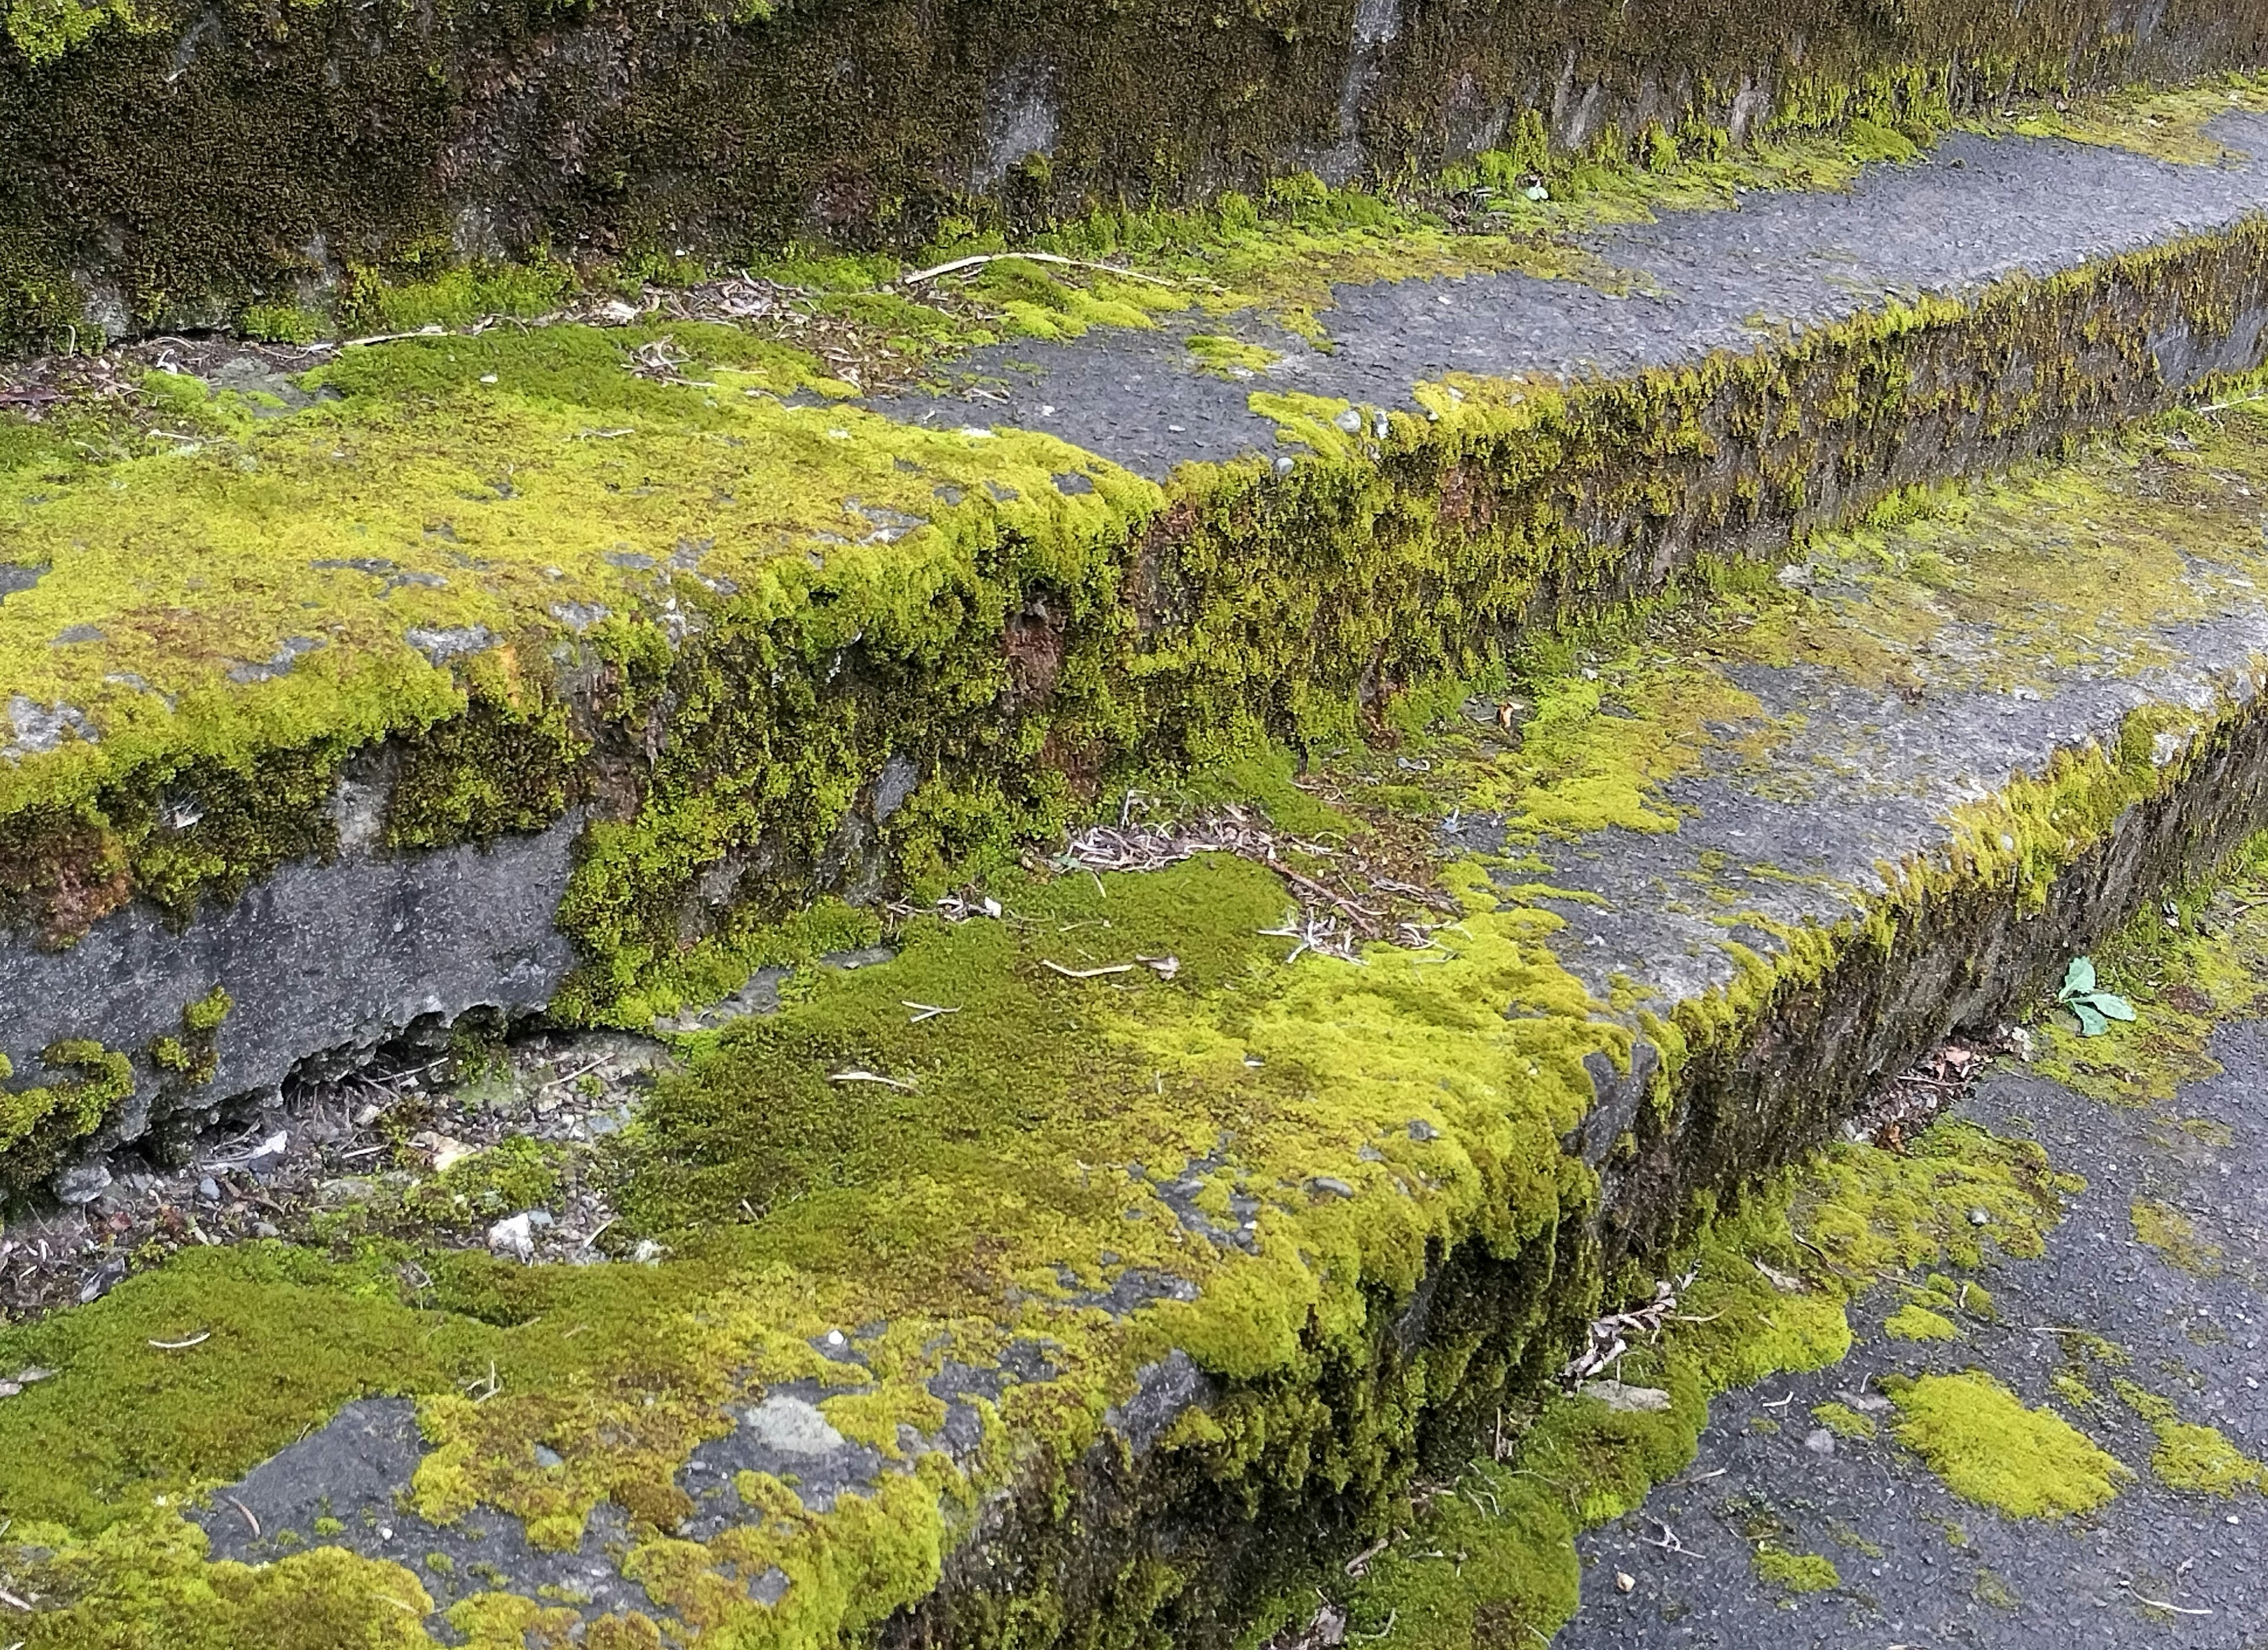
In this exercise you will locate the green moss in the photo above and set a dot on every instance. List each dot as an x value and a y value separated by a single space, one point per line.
1978 1436
142 1585
1794 1573
1230 357
2189 1455
1844 1421
1989 1588
521 1173
1914 1321
39 1125
2175 1235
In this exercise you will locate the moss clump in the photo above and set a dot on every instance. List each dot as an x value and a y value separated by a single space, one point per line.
39 1125
1230 357
1794 1573
2190 1455
1914 1321
142 1584
2164 1228
1979 1437
1845 1422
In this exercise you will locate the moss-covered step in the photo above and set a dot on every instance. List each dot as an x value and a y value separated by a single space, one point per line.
1117 1253
583 666
168 165
2070 1426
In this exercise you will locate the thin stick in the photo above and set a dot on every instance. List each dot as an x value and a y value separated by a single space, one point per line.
1088 973
954 264
198 1339
2159 1603
869 1077
248 1518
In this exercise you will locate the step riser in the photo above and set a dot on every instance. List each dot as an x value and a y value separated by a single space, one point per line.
501 130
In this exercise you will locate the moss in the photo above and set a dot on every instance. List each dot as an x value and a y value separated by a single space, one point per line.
1580 1463
1794 1573
142 1585
39 1125
1845 1422
1148 104
1979 1437
2175 1235
2189 1455
1990 1588
1914 1321
1230 357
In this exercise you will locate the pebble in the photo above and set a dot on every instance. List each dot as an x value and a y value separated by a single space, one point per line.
209 1189
82 1184
513 1235
1820 1441
549 1460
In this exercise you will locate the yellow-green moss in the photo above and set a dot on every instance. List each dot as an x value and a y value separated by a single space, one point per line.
1979 1437
1794 1573
1914 1321
2189 1455
2175 1235
1845 1422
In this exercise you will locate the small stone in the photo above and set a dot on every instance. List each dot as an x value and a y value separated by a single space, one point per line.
209 1189
1978 1217
104 1279
81 1182
1628 1400
539 1216
266 1229
549 1460
1350 421
367 1114
648 1253
1819 1441
792 1427
1331 1186
513 1236
1624 1580
1864 1402
10 1388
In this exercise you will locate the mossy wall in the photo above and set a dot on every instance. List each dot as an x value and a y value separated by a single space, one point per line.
164 164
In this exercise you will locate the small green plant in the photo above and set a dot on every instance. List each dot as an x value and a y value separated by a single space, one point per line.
2094 1009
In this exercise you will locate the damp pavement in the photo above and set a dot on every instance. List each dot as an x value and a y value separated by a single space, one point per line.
2152 1568
1971 211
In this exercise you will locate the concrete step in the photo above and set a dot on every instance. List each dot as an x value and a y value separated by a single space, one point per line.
1113 1262
558 671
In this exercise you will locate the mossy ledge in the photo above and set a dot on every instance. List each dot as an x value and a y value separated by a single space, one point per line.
738 738
169 166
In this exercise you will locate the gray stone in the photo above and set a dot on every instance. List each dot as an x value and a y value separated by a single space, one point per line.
81 1182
